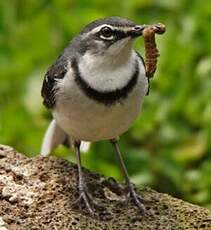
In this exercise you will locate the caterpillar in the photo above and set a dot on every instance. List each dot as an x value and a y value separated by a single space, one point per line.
151 51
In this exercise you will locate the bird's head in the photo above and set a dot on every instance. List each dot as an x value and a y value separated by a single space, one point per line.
109 37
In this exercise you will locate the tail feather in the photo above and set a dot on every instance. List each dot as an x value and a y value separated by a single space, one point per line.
85 145
55 136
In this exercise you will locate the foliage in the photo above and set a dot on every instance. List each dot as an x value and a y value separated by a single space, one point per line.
168 147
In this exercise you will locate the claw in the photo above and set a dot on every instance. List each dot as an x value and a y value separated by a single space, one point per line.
85 199
137 199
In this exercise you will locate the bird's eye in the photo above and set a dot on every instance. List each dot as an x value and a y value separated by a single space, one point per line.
106 32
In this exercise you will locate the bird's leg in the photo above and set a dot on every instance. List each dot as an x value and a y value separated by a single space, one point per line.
138 200
84 197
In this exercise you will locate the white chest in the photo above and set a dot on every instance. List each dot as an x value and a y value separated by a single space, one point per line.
86 119
104 75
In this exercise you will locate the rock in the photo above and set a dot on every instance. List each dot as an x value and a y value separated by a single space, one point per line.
39 193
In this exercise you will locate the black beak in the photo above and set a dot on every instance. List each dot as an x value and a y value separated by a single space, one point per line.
137 30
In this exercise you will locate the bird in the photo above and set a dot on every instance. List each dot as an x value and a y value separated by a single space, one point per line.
95 90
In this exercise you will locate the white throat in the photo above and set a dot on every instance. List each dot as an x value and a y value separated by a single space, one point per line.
103 74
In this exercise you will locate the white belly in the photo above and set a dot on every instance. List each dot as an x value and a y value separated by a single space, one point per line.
85 119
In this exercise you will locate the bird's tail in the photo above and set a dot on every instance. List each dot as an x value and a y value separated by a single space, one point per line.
55 136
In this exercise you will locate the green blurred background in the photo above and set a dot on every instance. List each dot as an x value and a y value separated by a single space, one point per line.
168 147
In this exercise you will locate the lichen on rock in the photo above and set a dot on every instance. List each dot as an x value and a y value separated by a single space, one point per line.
39 193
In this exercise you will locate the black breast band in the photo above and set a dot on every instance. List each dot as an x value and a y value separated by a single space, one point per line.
105 97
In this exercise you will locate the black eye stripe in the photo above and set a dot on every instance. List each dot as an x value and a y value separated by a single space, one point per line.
119 34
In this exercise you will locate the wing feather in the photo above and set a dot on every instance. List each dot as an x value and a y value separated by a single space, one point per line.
55 72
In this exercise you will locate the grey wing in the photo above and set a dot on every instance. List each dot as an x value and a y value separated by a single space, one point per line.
56 71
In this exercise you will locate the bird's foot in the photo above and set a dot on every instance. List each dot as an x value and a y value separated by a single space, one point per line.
86 201
137 199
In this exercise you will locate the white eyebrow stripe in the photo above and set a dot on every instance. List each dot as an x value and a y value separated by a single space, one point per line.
123 28
97 29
